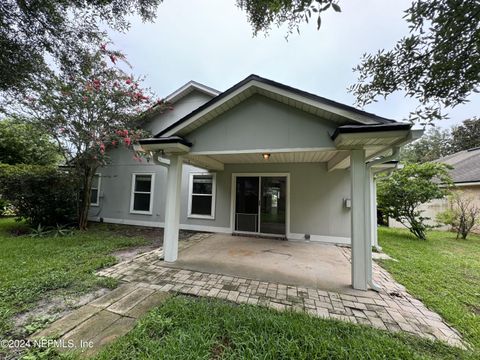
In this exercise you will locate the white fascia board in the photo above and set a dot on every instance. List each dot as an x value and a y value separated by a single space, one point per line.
188 88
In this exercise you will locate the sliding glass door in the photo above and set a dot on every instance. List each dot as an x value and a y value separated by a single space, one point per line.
260 204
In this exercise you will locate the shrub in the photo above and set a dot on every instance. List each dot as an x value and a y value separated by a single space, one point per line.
401 193
40 194
463 215
6 209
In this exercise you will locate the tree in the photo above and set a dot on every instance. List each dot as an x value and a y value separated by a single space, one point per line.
31 31
434 144
22 143
466 135
463 214
400 194
89 110
437 63
262 14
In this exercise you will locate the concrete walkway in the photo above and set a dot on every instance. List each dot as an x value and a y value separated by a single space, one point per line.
90 327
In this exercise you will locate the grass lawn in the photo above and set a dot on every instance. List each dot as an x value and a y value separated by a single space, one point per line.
31 268
442 272
190 328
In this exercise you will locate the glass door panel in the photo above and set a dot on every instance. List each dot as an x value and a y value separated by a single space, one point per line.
273 205
246 203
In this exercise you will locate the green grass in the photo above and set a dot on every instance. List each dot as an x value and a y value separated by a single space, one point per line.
33 268
443 272
190 328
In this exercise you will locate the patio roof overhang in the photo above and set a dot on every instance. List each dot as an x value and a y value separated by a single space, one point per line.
376 140
166 145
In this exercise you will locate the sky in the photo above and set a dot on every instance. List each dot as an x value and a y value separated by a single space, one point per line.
211 42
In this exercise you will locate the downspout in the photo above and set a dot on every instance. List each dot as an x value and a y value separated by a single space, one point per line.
394 156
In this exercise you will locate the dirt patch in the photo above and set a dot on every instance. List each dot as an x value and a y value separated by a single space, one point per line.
153 235
475 309
51 308
220 347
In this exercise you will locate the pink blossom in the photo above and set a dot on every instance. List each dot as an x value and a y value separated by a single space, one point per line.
113 58
127 141
128 81
114 142
125 132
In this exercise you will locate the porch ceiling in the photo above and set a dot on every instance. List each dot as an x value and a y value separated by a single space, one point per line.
340 158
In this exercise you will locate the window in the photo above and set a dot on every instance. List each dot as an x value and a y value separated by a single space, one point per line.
95 194
142 193
201 198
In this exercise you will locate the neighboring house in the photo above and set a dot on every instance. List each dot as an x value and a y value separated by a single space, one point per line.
261 158
466 178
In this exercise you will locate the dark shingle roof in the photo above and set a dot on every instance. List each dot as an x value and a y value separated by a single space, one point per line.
466 165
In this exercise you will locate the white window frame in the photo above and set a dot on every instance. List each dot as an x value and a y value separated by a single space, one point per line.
99 184
213 195
132 194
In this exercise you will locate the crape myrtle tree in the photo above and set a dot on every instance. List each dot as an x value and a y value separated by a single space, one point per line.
89 109
437 62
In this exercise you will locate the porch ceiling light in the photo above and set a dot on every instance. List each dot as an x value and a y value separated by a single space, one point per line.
266 156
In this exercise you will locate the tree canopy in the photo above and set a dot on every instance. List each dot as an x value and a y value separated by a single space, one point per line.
22 143
437 63
32 31
436 143
466 135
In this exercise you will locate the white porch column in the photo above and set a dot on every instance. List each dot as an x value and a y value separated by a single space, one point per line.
373 207
369 228
172 208
359 210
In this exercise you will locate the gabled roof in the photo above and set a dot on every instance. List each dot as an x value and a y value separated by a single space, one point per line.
466 166
331 110
188 88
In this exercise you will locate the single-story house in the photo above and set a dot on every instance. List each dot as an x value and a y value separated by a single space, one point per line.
260 158
465 174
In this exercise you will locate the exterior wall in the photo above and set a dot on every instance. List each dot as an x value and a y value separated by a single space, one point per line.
432 208
181 108
316 197
262 123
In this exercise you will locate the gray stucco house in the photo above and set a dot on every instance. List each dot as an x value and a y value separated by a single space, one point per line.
258 158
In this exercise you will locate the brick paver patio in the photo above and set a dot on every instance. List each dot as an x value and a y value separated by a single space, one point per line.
391 309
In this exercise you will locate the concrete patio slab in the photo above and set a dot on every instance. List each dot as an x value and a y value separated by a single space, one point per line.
311 264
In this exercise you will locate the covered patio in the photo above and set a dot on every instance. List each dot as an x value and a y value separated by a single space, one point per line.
318 156
299 263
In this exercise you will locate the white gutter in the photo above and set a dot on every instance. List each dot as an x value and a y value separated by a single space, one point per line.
394 156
